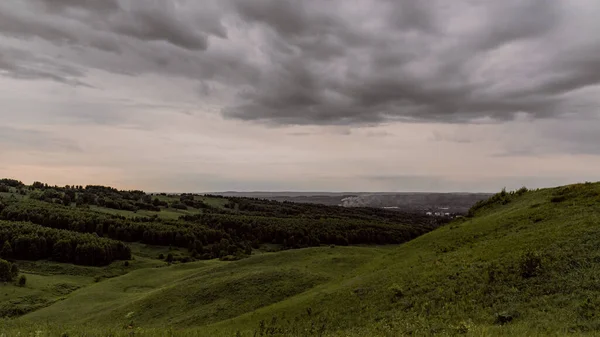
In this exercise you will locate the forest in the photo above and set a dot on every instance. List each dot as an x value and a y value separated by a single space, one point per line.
75 224
26 241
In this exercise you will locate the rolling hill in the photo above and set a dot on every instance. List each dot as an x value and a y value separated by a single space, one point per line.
522 263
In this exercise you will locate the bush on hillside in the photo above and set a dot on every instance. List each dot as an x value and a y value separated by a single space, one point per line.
230 258
397 292
505 317
5 271
11 182
14 270
531 264
6 251
178 205
502 198
22 280
521 191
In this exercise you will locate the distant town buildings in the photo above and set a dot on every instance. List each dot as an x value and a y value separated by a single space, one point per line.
441 214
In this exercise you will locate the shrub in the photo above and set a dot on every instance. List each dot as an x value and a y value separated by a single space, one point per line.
7 250
463 328
505 317
522 191
169 258
5 271
502 198
179 205
397 292
126 263
14 270
530 264
229 258
161 256
22 280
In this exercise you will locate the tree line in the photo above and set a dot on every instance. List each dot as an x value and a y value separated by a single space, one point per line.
149 230
11 182
108 197
242 224
304 232
27 241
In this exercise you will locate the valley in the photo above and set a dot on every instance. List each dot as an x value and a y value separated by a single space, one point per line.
521 263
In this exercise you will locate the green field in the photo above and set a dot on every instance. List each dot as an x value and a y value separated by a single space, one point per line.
164 213
526 264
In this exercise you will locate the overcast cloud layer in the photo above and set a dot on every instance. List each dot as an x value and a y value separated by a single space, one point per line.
300 95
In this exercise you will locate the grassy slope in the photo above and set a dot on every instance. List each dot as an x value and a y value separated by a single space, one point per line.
50 282
532 261
471 274
205 292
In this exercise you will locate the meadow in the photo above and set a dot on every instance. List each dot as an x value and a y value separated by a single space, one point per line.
522 263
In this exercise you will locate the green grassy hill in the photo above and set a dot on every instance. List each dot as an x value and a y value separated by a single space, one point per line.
525 263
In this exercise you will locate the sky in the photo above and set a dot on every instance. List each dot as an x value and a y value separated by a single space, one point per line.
290 95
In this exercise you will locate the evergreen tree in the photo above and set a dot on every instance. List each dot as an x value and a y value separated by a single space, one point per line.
7 251
14 270
5 274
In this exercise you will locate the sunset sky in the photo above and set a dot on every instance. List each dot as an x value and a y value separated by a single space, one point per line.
312 95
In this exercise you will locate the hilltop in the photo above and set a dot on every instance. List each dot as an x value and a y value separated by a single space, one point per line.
522 263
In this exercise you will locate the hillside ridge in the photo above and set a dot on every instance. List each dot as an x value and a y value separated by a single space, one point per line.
522 263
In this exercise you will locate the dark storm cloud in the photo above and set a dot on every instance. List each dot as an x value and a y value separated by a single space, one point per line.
98 23
414 64
337 62
170 38
162 21
22 22
97 5
20 64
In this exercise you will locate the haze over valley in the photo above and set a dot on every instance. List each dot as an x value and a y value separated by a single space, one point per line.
455 203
